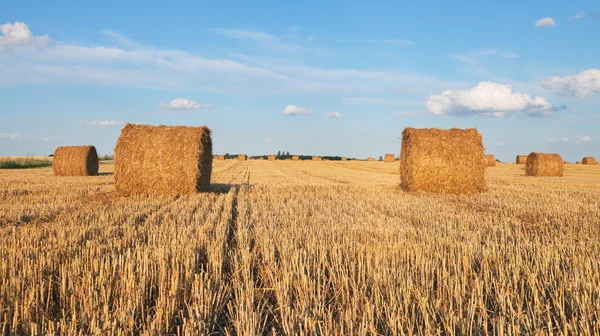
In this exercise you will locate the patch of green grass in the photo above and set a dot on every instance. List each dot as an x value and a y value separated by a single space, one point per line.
25 164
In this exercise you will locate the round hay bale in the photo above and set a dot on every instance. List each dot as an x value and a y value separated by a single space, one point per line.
490 160
588 160
370 159
541 164
220 157
242 157
295 158
442 161
75 161
272 157
389 158
521 159
344 159
317 158
163 160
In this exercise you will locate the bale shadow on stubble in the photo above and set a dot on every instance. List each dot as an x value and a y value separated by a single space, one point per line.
223 188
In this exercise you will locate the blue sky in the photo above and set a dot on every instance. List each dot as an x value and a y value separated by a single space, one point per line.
335 78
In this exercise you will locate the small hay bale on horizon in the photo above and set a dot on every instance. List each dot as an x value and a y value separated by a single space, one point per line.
389 158
272 157
370 159
490 160
344 159
75 161
242 157
317 158
588 160
295 158
163 160
521 159
221 157
542 164
442 161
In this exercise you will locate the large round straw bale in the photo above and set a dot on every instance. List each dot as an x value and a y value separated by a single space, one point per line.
168 160
521 159
442 161
389 158
242 157
588 160
490 160
272 157
295 158
540 164
75 161
317 158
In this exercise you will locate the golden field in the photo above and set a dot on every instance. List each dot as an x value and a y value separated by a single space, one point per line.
288 247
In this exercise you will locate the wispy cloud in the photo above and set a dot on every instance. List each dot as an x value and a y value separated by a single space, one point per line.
501 143
583 139
545 22
294 110
581 84
579 16
183 104
563 139
14 136
243 34
103 123
333 114
583 15
268 140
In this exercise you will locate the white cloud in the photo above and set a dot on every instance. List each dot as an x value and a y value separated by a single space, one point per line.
545 22
243 34
498 53
103 123
18 34
13 136
563 139
581 84
501 143
268 140
579 16
487 99
583 139
293 110
333 114
183 104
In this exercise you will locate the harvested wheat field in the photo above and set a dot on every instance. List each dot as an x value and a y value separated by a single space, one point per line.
301 248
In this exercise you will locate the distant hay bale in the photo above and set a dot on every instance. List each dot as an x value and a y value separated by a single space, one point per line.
521 159
295 158
389 158
163 160
242 157
272 158
490 160
261 158
442 161
370 159
540 164
577 162
221 157
588 160
344 159
75 161
317 158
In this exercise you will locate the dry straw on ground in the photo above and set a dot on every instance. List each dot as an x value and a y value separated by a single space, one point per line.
588 160
521 159
295 158
389 158
490 160
168 160
540 164
272 157
317 158
242 157
442 161
370 159
75 161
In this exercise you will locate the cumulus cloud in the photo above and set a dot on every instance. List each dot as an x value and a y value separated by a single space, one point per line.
293 110
488 99
103 123
18 34
183 104
333 114
545 22
581 84
583 139
13 136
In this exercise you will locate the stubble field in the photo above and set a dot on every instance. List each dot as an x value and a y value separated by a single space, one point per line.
329 248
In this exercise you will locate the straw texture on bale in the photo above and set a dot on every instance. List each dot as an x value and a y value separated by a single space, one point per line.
75 161
490 160
442 161
242 157
588 160
389 158
272 158
521 159
163 160
370 159
540 164
295 158
317 158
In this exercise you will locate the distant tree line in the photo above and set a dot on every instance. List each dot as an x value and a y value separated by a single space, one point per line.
283 155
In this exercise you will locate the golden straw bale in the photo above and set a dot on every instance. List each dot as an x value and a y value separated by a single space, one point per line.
490 160
295 158
389 158
588 160
442 161
521 159
221 157
272 157
344 159
242 157
578 162
163 160
370 159
540 164
75 161
317 158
